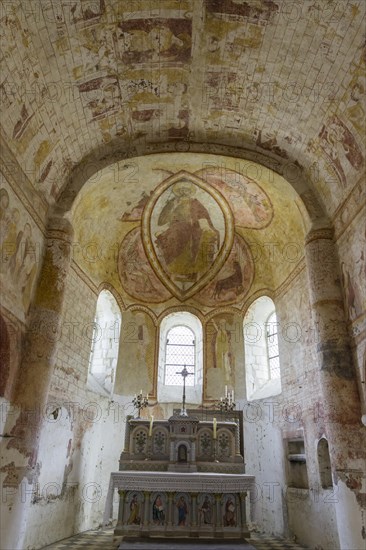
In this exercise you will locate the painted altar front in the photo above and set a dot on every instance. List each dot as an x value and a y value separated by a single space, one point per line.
182 477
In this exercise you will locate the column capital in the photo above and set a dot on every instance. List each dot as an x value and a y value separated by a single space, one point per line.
59 228
317 234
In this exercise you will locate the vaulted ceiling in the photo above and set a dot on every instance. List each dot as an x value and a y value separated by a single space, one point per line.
99 80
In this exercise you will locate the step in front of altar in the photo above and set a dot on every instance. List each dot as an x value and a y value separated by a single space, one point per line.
152 543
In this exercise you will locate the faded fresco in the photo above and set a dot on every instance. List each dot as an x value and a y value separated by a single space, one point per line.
20 253
148 41
188 234
224 353
352 249
136 361
10 353
234 279
137 277
187 227
341 148
251 206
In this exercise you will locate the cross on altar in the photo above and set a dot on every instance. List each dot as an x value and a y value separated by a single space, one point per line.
184 373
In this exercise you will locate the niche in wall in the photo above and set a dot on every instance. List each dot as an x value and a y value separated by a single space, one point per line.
297 474
325 470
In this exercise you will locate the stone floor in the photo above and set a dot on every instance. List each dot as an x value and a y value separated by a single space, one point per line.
103 540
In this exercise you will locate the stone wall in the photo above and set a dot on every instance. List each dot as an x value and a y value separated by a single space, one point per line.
82 434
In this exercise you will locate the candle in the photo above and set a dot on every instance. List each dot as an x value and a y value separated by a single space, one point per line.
140 392
214 428
232 396
147 397
151 425
225 391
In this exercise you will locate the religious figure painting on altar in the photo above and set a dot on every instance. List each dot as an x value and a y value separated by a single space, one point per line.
229 518
206 510
182 507
134 516
158 511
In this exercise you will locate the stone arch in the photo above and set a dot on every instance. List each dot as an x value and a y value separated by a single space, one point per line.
205 443
105 343
226 443
325 469
259 382
115 152
180 317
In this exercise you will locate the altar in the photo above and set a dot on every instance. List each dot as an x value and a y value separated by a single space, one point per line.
182 477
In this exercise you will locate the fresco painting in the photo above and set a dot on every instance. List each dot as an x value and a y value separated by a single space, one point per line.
184 229
160 40
251 206
187 233
341 148
18 263
136 275
224 350
234 280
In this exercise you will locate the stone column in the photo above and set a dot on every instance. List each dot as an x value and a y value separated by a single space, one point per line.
37 365
121 508
243 515
218 498
193 451
146 518
237 439
170 510
340 414
44 326
127 434
194 509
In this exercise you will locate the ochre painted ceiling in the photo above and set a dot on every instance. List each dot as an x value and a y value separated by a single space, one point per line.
90 78
192 228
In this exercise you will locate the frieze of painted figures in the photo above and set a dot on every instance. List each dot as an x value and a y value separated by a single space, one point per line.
182 510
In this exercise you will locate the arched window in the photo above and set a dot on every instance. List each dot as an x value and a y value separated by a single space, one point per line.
262 357
272 346
105 344
180 345
180 352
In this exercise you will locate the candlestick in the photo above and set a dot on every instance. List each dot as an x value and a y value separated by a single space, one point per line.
140 402
227 404
214 428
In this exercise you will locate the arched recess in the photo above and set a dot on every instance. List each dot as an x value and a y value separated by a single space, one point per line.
262 361
105 344
325 469
173 393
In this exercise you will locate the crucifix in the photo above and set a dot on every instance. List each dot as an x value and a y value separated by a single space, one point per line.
184 373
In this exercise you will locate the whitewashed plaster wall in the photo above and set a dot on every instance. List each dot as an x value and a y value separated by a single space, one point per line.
81 447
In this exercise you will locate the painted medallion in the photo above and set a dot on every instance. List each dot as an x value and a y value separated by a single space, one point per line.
188 232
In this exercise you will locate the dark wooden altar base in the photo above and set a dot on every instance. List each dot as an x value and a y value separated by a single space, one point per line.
189 543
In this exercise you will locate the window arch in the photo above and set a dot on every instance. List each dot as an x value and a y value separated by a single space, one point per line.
180 345
180 352
325 469
273 355
105 344
262 358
